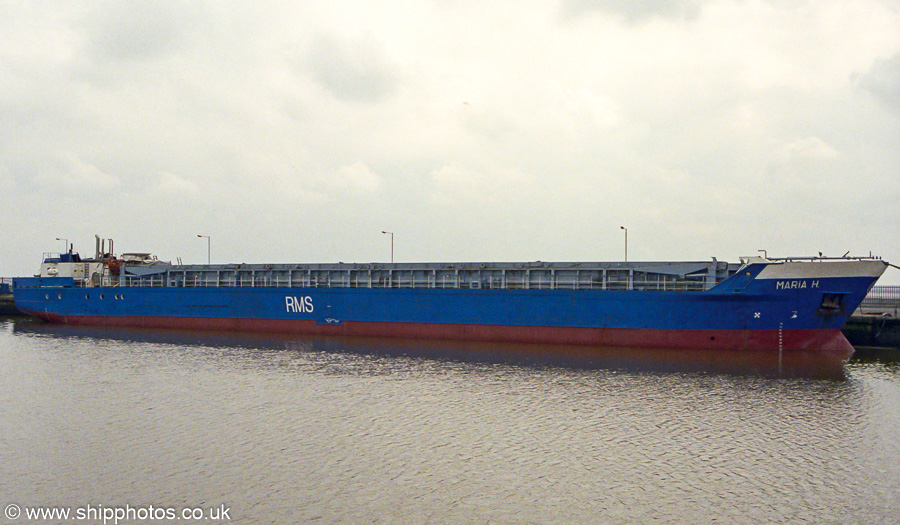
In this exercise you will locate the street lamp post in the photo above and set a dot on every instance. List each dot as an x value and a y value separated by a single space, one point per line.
626 242
207 246
66 245
392 244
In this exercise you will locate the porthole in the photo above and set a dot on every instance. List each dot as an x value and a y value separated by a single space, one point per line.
86 296
59 296
46 296
101 296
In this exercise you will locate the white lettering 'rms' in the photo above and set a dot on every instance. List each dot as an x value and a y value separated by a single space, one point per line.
298 304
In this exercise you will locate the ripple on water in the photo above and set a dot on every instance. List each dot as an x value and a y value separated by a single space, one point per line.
289 430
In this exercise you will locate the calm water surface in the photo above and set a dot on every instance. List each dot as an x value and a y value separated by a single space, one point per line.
292 430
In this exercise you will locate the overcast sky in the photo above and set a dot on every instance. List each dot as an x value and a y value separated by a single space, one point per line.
474 130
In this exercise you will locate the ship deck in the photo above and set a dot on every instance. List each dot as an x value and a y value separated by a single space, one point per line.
664 276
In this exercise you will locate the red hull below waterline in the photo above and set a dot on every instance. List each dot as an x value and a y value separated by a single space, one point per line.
830 341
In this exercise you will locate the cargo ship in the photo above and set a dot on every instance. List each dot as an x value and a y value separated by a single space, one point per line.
760 303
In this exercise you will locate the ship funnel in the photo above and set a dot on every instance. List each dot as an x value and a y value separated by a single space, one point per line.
96 246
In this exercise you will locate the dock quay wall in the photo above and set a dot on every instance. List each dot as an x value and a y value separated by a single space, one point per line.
7 304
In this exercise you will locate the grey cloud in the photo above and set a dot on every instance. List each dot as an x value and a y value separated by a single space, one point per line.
636 11
138 31
883 81
352 70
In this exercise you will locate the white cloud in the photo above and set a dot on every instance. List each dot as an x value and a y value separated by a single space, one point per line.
809 148
356 178
173 184
65 172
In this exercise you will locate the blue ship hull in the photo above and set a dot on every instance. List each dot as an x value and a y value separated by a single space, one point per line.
763 305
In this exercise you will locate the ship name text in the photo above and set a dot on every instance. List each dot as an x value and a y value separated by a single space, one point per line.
796 285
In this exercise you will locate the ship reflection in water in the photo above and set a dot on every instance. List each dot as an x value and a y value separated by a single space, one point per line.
772 363
334 430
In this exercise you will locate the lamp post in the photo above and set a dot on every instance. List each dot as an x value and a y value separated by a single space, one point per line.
66 245
392 243
626 242
207 246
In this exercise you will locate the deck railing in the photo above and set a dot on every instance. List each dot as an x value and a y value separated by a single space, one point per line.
357 280
878 296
